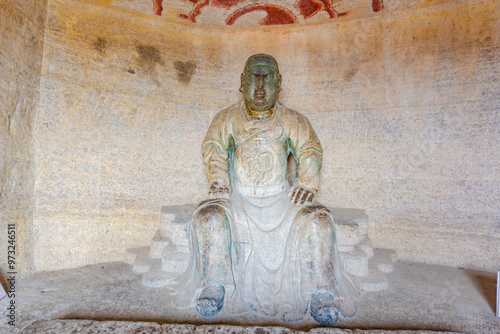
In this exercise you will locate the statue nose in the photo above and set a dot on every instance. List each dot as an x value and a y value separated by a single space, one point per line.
260 82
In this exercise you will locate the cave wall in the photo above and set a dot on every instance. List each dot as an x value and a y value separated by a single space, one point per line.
22 26
405 101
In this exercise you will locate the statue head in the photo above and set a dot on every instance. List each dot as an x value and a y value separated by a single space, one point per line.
260 85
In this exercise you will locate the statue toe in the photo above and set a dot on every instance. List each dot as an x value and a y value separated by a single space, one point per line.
324 309
210 301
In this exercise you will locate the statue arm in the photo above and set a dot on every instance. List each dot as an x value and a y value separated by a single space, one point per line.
308 155
215 151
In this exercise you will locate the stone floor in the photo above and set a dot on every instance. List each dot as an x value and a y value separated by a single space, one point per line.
109 298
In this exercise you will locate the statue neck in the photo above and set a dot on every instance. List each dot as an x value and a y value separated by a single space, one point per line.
261 115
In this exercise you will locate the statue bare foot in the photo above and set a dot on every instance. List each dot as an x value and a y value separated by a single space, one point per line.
324 310
210 301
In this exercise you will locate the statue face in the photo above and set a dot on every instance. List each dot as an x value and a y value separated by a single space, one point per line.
260 85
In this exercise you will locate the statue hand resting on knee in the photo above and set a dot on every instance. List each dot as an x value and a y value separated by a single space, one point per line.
258 243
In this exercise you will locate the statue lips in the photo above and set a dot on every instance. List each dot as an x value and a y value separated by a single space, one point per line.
259 97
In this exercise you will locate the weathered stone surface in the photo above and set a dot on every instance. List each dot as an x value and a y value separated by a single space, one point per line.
158 244
22 26
348 236
419 296
174 261
173 220
355 262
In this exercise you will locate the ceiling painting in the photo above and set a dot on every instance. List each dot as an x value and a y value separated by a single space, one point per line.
254 12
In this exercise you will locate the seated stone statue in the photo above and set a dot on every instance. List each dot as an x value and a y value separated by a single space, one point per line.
258 243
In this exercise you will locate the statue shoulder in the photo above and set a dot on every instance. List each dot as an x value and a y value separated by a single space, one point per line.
225 114
294 116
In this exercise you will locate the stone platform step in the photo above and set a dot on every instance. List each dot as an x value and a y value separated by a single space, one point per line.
385 260
376 279
355 262
353 216
156 277
140 260
173 223
158 245
174 261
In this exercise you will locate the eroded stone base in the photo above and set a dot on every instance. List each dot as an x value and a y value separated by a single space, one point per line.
125 327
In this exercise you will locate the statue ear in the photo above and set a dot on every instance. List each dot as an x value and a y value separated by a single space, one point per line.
241 84
279 82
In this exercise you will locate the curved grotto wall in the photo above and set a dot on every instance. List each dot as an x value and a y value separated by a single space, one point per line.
21 49
404 100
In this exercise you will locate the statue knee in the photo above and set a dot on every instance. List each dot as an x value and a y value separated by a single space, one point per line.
306 212
210 217
316 217
322 223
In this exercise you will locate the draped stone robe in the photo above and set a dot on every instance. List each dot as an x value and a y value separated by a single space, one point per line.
269 254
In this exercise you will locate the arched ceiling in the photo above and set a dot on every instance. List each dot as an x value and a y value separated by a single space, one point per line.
255 12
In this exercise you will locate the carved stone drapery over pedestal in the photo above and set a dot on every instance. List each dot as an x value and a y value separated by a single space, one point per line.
167 256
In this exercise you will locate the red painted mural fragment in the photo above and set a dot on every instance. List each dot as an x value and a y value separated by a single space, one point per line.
227 4
329 9
277 12
275 15
157 6
309 8
377 5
